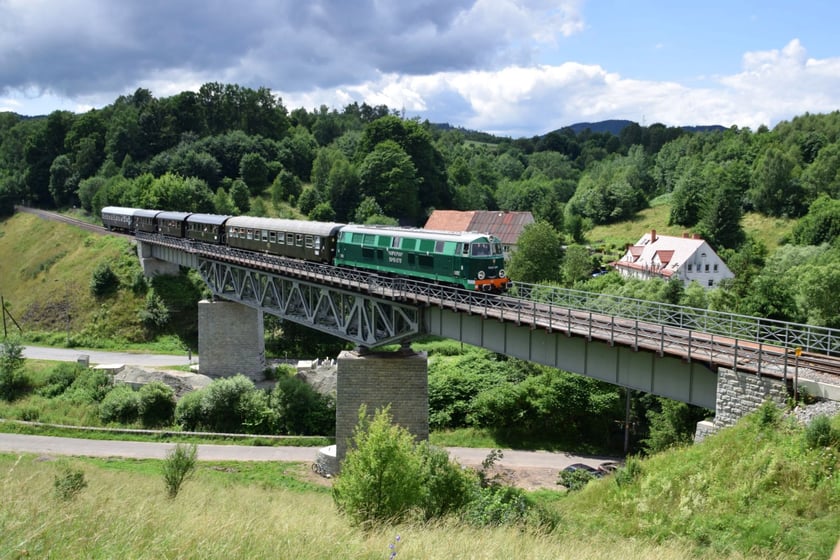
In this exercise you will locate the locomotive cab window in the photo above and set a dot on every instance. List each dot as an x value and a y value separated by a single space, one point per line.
439 245
480 249
395 242
466 250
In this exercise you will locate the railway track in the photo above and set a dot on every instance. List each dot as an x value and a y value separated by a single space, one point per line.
763 357
81 224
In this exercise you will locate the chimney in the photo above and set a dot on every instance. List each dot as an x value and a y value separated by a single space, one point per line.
695 236
685 235
652 235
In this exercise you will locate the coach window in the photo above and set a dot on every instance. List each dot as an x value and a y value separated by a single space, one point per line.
299 239
272 237
317 242
264 235
290 239
309 241
250 234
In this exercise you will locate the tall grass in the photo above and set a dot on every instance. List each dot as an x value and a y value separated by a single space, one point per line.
126 514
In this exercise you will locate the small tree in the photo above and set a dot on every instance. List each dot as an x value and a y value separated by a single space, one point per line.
178 466
12 380
381 475
103 281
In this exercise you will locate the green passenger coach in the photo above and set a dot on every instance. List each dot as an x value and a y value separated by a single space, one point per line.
467 259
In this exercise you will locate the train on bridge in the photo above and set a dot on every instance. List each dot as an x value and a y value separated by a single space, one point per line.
469 260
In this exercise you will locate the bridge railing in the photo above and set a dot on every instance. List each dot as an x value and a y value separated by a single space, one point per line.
809 338
553 301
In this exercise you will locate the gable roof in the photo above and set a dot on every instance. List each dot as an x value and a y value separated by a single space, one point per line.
507 226
664 254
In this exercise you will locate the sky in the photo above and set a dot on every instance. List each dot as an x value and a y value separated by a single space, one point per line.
516 68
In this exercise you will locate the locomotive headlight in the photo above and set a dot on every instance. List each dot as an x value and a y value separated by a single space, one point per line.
481 275
502 273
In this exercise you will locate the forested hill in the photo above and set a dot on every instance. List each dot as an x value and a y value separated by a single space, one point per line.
231 150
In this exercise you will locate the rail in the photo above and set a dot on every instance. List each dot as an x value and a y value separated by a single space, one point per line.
722 339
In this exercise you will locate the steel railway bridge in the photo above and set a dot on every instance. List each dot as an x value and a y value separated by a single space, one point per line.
667 350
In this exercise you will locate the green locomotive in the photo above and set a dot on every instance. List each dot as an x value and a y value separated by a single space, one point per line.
467 259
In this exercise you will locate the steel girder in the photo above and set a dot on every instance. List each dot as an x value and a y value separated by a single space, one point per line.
361 319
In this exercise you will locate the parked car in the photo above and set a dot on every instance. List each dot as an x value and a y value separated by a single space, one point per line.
594 471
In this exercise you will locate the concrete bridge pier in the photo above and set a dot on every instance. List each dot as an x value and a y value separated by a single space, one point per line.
153 266
376 380
230 339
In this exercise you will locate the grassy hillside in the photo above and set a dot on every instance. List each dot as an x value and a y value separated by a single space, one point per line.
614 237
45 274
760 490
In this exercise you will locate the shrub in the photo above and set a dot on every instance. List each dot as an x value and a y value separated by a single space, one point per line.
156 404
69 484
819 433
103 281
768 415
121 404
300 409
188 410
574 480
233 405
447 487
497 505
89 387
13 381
229 405
381 475
178 466
59 379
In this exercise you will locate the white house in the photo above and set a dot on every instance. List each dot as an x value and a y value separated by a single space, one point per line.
685 258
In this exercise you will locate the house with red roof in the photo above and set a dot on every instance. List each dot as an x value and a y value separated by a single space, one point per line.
687 258
507 226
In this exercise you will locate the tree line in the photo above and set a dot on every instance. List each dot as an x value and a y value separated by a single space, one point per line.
235 150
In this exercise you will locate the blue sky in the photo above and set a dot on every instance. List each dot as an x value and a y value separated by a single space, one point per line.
510 67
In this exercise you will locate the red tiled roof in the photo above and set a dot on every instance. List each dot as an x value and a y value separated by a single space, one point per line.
449 220
507 226
665 256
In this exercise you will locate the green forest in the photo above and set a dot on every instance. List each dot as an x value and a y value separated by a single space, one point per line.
234 150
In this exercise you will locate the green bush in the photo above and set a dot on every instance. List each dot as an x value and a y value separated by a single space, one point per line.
819 433
381 475
59 379
300 409
103 281
69 484
179 465
13 381
229 405
188 411
156 404
447 487
89 387
574 480
121 404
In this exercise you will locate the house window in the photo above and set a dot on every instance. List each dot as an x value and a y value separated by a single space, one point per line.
707 268
711 282
715 267
689 267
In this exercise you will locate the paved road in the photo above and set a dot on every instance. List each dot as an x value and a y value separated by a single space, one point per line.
47 445
17 443
100 357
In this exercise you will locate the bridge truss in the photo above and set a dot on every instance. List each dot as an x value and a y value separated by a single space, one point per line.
364 320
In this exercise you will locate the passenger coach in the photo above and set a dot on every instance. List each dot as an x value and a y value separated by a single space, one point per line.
311 241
